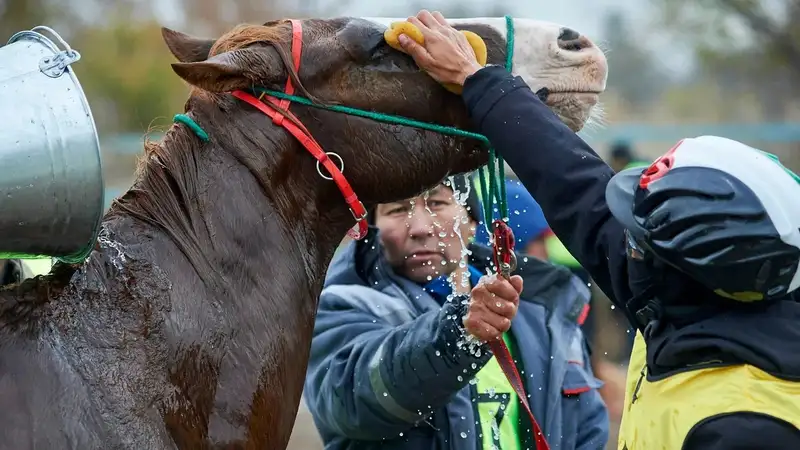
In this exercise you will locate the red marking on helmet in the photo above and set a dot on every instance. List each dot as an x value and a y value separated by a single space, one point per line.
660 167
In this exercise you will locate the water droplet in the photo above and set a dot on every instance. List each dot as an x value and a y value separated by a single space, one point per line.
463 435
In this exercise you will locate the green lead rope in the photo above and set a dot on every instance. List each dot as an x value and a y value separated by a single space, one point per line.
189 122
494 170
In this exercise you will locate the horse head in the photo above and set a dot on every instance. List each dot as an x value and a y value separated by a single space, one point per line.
346 61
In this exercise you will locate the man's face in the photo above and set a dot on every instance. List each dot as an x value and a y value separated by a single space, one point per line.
421 235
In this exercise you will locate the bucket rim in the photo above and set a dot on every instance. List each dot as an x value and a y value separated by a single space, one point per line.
35 35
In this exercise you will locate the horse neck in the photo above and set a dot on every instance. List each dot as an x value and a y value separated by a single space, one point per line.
254 186
248 220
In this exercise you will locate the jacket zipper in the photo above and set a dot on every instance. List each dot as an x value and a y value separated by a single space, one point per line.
635 395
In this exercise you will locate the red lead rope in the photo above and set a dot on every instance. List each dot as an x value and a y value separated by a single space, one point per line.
505 261
504 258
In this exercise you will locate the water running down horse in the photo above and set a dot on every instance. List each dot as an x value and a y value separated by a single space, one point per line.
189 324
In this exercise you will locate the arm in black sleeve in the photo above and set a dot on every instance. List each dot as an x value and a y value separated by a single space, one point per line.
564 175
743 431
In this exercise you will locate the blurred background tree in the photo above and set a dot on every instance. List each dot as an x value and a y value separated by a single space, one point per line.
634 73
745 46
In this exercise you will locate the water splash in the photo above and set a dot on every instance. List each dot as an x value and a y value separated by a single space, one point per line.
105 240
468 342
461 198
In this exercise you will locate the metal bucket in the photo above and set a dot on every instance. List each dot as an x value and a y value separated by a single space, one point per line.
51 181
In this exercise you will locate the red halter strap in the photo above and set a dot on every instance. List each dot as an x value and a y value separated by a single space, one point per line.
296 128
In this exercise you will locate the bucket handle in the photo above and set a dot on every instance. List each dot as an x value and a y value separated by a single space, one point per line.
55 66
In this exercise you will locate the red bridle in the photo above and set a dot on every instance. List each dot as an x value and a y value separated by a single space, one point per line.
504 237
301 133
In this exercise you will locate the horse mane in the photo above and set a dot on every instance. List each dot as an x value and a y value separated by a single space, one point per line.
165 192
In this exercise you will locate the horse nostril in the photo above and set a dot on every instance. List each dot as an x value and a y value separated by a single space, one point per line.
571 40
568 34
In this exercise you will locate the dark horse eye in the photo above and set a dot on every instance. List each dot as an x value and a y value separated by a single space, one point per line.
363 40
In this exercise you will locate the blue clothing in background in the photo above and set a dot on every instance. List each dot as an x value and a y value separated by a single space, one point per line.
525 216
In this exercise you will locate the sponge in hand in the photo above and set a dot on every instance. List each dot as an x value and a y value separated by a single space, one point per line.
409 29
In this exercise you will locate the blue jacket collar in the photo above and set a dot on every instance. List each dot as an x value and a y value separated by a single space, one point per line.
440 287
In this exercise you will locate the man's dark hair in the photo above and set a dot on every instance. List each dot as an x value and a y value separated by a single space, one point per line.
460 183
621 150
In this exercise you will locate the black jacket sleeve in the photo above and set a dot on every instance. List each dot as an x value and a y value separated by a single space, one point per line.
743 431
558 168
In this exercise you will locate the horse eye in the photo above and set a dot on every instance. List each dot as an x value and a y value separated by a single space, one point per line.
380 50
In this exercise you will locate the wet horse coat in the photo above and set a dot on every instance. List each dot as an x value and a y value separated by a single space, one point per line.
189 325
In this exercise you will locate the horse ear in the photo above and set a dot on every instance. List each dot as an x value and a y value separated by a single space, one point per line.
229 71
186 48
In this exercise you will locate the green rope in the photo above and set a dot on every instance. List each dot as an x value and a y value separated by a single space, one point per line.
376 116
189 122
495 169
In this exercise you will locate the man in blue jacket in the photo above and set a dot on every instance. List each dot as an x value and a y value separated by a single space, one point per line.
392 367
688 249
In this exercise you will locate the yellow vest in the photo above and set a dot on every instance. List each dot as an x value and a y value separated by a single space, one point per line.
666 410
498 407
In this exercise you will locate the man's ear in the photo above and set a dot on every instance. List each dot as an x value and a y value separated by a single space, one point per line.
186 48
237 69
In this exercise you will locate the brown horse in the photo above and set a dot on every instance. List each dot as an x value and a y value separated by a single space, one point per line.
190 323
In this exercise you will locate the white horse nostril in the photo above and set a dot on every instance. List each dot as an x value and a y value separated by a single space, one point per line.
568 34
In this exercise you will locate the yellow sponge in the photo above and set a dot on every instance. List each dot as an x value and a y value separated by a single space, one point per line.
410 30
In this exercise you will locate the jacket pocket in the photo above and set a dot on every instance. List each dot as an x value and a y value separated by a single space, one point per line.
577 390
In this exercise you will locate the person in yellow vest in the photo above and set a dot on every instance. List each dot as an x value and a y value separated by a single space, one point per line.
701 250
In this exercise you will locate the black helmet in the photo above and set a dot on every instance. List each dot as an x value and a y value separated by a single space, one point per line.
723 213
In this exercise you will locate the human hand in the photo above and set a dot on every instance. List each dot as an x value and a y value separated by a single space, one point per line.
493 303
446 54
